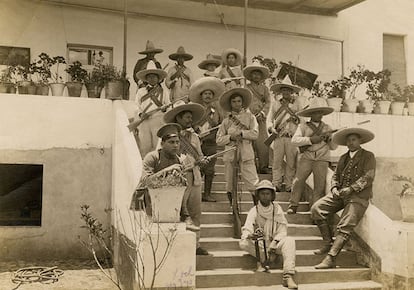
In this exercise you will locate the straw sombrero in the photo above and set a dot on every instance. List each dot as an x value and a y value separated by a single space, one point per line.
244 93
150 48
285 83
239 57
207 83
181 53
317 105
169 129
340 136
197 110
210 59
151 69
247 71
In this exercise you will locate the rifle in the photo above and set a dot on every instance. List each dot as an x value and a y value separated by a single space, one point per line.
274 135
258 236
325 136
209 158
208 132
132 126
226 80
234 197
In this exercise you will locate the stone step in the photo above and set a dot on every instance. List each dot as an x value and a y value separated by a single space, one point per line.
220 177
227 217
241 259
231 244
221 195
226 230
349 285
305 275
224 206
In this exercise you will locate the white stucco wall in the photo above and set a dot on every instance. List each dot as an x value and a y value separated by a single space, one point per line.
48 28
41 122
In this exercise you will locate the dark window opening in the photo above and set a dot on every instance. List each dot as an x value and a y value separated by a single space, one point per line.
21 194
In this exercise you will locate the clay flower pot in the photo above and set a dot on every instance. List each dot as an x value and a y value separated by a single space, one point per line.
42 90
350 105
383 107
94 90
397 108
57 89
74 89
335 103
410 109
366 106
114 90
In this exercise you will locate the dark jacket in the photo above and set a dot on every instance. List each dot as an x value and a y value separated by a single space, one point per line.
358 173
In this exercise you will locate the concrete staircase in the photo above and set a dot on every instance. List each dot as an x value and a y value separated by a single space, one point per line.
227 267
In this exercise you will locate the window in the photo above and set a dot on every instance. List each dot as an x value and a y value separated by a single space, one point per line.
21 194
394 58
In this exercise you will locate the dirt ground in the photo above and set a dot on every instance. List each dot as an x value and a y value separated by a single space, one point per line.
78 275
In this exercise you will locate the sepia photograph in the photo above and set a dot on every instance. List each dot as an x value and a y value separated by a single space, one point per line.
206 144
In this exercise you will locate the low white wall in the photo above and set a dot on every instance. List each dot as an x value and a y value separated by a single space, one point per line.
391 240
40 122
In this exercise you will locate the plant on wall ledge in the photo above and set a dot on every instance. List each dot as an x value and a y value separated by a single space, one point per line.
76 72
354 80
55 75
8 80
400 94
320 90
377 85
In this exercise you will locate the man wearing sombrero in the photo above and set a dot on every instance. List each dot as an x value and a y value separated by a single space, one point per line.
190 150
351 190
210 64
148 98
256 74
150 52
281 120
314 142
206 91
231 71
179 77
240 128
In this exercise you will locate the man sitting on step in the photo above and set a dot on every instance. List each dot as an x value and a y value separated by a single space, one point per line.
268 217
351 189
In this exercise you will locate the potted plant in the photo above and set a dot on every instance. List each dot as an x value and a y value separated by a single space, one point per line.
8 80
113 81
166 189
57 85
41 74
409 91
78 76
377 91
399 98
406 197
24 80
335 93
355 79
94 82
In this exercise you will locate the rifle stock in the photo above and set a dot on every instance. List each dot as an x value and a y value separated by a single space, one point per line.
234 201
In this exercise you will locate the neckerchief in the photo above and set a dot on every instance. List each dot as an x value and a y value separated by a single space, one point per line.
267 213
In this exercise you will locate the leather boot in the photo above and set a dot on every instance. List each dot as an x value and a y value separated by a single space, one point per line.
329 261
289 282
326 236
208 182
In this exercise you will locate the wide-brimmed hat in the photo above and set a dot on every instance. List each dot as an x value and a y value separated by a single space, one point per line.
206 83
316 106
239 56
169 130
210 59
265 184
247 71
180 53
150 48
151 69
244 93
340 136
285 83
197 110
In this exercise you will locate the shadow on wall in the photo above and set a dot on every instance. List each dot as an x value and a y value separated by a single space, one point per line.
385 189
